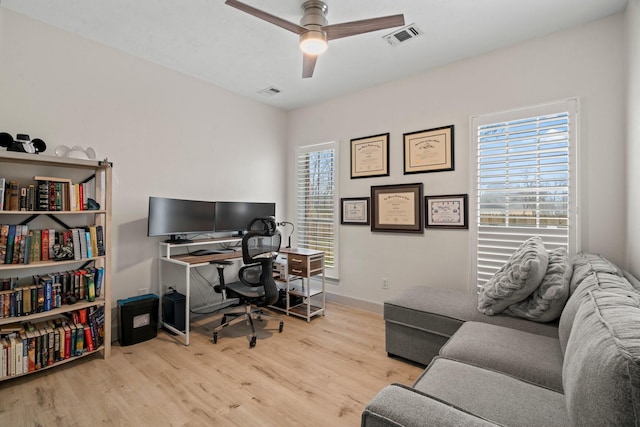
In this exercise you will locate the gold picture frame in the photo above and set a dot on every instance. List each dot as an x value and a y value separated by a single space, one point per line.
397 208
370 156
430 150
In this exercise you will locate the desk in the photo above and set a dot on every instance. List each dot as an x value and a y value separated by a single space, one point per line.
187 262
303 264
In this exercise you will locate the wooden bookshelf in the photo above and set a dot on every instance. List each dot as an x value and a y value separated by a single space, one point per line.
24 168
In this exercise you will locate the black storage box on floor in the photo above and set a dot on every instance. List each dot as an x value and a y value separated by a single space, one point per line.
173 310
138 319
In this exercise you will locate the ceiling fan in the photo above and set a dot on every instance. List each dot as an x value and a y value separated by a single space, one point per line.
313 29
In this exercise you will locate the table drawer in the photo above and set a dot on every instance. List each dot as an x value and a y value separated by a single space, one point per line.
297 265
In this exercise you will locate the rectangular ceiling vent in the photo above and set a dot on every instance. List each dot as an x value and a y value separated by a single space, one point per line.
270 91
403 35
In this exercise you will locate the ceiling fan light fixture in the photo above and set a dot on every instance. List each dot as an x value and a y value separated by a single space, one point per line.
313 42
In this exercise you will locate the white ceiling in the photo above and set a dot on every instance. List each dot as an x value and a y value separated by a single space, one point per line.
214 42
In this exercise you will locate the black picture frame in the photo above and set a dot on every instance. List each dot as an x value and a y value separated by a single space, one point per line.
430 150
397 208
449 211
370 156
355 211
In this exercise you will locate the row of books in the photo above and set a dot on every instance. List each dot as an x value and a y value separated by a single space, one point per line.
45 194
50 291
21 245
29 346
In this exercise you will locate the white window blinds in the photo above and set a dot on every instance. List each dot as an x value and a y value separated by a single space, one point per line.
525 182
316 195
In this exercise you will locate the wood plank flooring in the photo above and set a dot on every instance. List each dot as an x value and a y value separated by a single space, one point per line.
320 373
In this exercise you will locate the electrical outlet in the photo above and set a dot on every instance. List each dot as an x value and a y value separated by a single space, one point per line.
143 291
385 283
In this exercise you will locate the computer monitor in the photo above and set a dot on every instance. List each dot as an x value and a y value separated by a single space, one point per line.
177 218
236 216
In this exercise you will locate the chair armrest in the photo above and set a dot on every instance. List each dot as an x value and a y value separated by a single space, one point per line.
399 405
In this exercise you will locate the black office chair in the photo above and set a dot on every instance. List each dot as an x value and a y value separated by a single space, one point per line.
257 287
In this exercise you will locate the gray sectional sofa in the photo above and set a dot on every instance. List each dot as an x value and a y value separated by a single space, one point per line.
582 369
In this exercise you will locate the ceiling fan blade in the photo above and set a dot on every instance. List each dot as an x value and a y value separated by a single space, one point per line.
346 29
308 64
294 28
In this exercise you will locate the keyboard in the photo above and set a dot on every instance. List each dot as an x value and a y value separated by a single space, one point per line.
201 252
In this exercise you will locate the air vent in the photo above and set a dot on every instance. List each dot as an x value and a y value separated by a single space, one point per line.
270 91
403 35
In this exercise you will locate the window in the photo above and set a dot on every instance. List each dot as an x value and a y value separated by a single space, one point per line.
525 182
316 200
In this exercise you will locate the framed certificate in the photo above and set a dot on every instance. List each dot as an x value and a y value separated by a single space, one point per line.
428 150
446 211
370 156
397 208
355 210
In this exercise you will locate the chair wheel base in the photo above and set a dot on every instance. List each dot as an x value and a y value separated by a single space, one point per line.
252 342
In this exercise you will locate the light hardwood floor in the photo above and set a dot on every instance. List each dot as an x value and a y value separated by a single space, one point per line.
320 373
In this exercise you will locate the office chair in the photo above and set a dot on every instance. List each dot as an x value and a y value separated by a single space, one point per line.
260 246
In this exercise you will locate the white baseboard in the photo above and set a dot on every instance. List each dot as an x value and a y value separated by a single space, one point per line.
373 307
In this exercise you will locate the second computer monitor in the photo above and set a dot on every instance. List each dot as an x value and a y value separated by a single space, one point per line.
236 216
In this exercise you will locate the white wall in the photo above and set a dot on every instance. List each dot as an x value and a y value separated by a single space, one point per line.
167 134
633 135
172 135
586 62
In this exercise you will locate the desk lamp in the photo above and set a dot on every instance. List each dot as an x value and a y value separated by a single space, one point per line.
283 223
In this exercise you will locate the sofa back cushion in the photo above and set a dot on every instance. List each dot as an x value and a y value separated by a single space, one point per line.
601 369
584 264
516 279
590 271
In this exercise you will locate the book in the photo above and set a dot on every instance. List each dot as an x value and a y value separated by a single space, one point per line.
79 348
31 204
91 287
44 244
17 238
94 240
88 339
67 340
23 198
52 241
2 187
23 257
10 238
100 240
4 233
77 250
87 236
42 197
13 203
99 276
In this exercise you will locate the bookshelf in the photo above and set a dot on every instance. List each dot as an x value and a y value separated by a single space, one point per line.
61 307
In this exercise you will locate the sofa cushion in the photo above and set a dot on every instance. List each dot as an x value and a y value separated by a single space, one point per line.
494 396
585 264
443 311
547 301
516 279
601 372
594 281
530 357
399 405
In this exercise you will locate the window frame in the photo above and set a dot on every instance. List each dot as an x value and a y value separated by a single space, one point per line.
570 106
331 263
